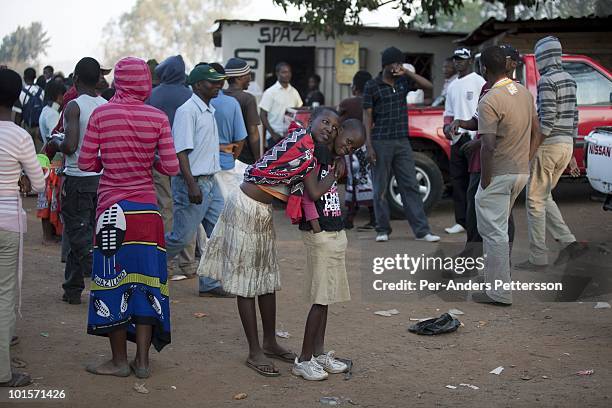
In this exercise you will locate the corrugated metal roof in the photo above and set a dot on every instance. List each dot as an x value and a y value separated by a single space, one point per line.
493 27
426 32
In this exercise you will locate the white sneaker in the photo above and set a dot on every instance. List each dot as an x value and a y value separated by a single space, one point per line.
429 238
330 364
382 238
309 370
455 229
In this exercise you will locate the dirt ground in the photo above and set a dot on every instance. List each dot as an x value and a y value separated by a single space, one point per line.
540 345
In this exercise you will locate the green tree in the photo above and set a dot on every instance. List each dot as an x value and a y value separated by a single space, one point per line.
23 46
160 28
338 16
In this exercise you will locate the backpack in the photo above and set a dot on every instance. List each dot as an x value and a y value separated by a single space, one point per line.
32 108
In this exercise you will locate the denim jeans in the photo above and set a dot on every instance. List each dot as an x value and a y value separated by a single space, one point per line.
187 216
396 156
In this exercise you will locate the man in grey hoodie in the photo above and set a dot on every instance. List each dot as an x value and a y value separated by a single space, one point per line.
558 116
171 93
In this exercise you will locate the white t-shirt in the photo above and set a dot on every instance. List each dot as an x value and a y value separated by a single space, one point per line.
462 99
447 82
276 100
48 120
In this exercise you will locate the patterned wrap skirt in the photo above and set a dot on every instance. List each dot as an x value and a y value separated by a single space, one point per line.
241 252
48 204
129 279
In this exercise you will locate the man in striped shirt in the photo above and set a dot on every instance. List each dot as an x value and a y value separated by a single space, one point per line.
558 117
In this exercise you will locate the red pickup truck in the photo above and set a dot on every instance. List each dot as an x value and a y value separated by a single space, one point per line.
432 149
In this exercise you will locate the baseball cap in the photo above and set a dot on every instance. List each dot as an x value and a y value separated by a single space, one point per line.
511 52
462 53
204 72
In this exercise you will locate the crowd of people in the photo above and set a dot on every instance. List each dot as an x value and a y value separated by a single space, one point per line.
161 164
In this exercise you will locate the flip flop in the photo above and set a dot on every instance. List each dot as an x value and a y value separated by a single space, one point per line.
287 356
140 372
18 363
257 368
17 380
120 372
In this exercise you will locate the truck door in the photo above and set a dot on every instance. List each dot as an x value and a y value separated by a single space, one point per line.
594 94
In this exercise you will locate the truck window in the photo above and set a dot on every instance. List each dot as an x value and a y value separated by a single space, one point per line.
593 87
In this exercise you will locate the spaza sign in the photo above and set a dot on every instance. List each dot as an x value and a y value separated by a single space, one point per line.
275 34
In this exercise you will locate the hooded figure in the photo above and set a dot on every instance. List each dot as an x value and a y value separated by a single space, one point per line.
123 131
548 54
556 94
558 117
132 81
172 91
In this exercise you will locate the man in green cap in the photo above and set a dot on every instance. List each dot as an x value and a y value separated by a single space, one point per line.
195 193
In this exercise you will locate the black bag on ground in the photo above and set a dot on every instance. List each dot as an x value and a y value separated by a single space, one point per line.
439 325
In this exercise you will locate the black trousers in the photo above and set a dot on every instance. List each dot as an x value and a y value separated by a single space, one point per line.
460 179
79 200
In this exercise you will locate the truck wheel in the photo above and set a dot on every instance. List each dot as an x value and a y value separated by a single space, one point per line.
431 184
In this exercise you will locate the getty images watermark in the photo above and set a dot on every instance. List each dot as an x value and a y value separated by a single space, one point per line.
455 269
453 272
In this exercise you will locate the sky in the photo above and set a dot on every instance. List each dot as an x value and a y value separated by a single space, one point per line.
75 28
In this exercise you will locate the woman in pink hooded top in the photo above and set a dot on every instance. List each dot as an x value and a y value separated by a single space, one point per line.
126 139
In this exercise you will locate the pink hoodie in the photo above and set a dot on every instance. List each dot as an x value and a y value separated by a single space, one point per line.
123 138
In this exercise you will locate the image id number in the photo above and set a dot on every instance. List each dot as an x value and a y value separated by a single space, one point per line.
37 394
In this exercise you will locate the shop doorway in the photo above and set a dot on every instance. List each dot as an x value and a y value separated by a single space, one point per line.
301 59
423 65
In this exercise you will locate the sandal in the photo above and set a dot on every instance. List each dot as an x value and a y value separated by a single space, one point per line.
14 341
287 356
17 380
258 368
18 363
140 372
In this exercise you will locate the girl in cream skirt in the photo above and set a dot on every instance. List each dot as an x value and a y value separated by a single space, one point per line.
241 252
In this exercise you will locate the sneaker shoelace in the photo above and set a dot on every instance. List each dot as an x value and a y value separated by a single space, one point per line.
316 366
329 358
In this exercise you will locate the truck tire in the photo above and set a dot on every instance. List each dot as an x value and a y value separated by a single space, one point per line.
431 185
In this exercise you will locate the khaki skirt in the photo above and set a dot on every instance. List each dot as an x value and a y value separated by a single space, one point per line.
326 279
241 252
